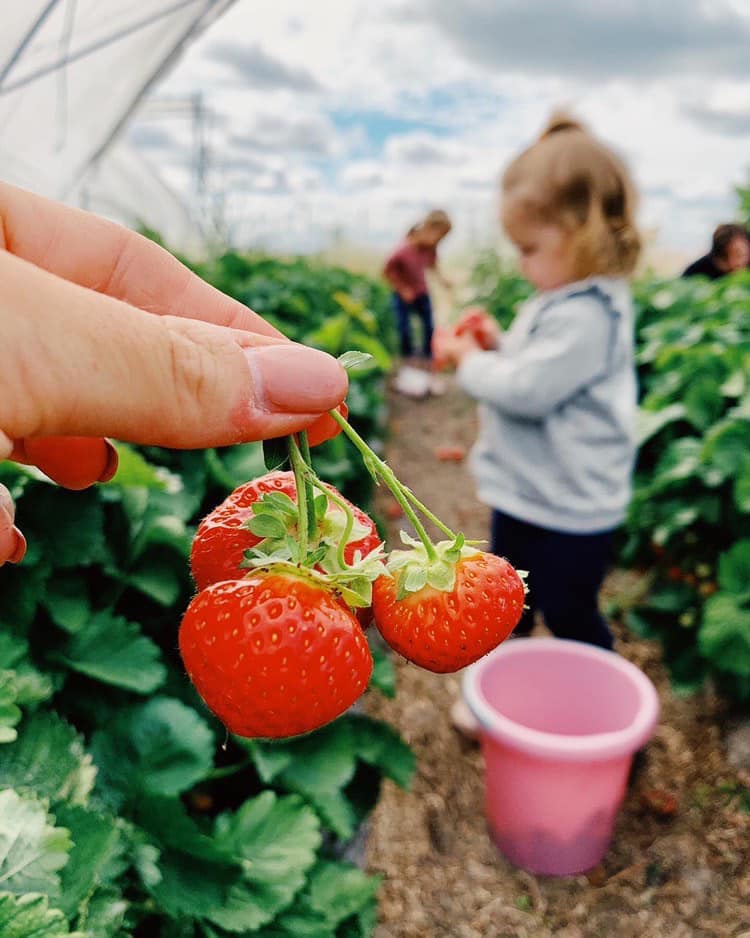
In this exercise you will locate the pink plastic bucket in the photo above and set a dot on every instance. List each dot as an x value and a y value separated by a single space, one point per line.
560 722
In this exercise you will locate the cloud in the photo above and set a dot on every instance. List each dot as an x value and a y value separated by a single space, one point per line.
422 149
272 132
716 120
588 38
366 174
260 70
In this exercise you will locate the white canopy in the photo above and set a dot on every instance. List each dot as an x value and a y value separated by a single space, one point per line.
71 74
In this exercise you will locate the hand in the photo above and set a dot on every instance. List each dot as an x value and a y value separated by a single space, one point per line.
407 294
449 349
103 333
478 322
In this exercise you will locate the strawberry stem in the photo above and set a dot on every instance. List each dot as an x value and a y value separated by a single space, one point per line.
398 490
304 444
299 469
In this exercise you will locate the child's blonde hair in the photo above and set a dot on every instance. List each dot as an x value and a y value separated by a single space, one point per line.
436 218
571 179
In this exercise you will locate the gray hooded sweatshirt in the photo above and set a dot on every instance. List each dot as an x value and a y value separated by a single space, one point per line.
557 408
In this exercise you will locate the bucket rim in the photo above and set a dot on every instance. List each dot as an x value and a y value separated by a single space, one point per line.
566 747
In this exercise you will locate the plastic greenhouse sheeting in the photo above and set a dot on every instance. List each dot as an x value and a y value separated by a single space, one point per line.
71 74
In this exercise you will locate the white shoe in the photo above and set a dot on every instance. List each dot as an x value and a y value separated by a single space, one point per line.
412 382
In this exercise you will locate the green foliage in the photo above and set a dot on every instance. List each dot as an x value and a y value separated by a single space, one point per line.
122 812
689 519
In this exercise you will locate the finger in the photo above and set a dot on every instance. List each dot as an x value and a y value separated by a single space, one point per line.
96 253
75 363
12 542
325 427
75 462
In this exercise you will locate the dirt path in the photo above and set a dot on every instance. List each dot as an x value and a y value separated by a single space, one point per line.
673 871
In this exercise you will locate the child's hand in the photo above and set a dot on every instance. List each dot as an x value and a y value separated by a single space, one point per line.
476 321
449 349
407 294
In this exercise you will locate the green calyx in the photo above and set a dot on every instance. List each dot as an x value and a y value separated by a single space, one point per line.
276 520
353 585
414 569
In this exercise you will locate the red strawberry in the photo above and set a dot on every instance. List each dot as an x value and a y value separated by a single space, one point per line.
222 538
274 655
446 630
478 323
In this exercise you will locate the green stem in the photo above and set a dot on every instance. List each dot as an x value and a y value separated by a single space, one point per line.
332 495
304 445
227 770
299 469
427 513
388 476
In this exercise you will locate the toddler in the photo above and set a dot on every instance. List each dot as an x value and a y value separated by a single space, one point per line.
557 396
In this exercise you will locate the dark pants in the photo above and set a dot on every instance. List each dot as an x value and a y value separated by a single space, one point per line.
423 308
565 574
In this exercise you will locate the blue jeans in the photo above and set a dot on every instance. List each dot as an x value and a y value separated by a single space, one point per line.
423 308
565 574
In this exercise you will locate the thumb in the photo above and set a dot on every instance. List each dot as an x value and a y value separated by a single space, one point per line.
76 362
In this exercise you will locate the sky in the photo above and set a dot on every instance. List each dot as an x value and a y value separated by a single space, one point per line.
350 119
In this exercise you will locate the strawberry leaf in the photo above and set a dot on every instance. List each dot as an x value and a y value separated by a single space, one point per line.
413 579
266 525
114 651
10 713
48 760
30 916
354 359
160 747
96 841
383 672
277 839
32 849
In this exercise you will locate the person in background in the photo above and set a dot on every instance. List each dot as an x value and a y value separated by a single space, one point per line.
730 251
405 272
557 395
103 333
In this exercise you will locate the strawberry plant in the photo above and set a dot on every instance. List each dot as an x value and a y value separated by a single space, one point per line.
689 521
125 807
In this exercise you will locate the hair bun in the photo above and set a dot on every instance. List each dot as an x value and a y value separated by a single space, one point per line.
559 122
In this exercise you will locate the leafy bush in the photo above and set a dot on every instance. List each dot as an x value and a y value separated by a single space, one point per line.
124 809
689 521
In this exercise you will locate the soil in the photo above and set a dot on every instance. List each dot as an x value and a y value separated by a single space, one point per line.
679 862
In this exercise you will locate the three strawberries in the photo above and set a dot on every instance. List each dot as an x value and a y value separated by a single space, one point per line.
274 639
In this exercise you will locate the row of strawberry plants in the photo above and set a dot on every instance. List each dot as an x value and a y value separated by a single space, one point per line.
124 807
689 521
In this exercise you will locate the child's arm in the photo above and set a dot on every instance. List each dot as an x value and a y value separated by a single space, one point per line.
568 350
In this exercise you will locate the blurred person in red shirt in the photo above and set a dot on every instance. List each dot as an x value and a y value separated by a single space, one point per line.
405 271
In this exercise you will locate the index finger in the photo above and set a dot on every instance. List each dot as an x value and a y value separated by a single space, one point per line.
103 256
